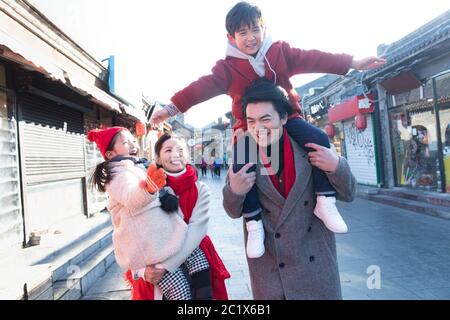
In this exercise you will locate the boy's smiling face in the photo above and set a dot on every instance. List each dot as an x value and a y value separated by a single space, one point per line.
248 39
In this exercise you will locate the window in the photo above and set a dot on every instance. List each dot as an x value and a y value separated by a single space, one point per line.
443 87
443 101
406 97
414 143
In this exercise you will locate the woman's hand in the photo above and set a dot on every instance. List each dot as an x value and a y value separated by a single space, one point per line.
242 181
153 274
323 158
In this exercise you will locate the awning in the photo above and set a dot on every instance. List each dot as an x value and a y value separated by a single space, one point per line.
138 114
28 47
405 81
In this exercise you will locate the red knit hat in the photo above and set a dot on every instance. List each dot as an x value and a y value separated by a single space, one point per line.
103 137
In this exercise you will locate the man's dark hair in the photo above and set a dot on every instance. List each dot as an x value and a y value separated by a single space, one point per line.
243 14
262 90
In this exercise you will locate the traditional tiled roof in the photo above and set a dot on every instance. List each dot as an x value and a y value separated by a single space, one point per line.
408 51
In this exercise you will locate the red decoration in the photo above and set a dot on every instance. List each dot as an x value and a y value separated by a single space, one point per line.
330 130
361 121
350 108
140 129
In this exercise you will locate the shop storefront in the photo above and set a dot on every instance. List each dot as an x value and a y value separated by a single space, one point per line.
420 135
356 123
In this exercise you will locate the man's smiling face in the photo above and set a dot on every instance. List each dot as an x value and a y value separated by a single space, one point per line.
264 123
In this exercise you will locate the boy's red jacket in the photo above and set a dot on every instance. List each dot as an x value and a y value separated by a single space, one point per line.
233 75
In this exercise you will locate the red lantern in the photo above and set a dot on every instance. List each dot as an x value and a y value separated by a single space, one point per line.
330 130
361 121
140 129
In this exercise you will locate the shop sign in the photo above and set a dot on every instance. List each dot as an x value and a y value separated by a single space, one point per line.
319 109
364 104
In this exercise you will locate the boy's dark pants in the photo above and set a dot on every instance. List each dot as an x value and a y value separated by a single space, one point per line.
302 133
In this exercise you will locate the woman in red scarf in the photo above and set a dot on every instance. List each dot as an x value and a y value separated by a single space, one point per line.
194 202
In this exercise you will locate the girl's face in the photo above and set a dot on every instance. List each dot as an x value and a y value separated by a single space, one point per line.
173 155
125 145
248 40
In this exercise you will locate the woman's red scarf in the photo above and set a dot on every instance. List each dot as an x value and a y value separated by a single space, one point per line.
185 188
289 167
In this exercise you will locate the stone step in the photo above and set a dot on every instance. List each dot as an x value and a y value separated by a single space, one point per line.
73 239
413 205
33 273
64 265
84 275
439 199
67 289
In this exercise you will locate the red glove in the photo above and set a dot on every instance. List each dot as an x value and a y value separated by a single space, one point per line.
156 178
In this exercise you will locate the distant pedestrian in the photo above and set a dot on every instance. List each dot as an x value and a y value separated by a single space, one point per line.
217 166
204 167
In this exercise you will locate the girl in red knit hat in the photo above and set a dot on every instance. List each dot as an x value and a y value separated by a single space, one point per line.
147 223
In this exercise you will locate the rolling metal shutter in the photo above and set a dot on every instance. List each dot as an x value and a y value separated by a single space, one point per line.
52 141
360 151
11 223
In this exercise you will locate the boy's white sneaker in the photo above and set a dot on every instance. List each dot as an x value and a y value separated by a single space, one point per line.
326 211
255 239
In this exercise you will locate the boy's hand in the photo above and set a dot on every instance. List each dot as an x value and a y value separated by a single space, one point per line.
368 63
156 178
323 158
159 117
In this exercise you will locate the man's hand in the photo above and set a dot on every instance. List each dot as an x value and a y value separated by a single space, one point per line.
159 117
242 181
153 274
323 158
368 63
156 178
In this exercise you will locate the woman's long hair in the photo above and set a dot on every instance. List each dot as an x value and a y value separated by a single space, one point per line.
102 173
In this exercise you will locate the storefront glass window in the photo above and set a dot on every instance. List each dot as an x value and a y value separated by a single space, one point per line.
443 87
428 89
406 97
445 134
337 140
443 99
415 149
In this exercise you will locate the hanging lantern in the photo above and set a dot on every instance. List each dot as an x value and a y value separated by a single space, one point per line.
329 129
361 121
140 129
